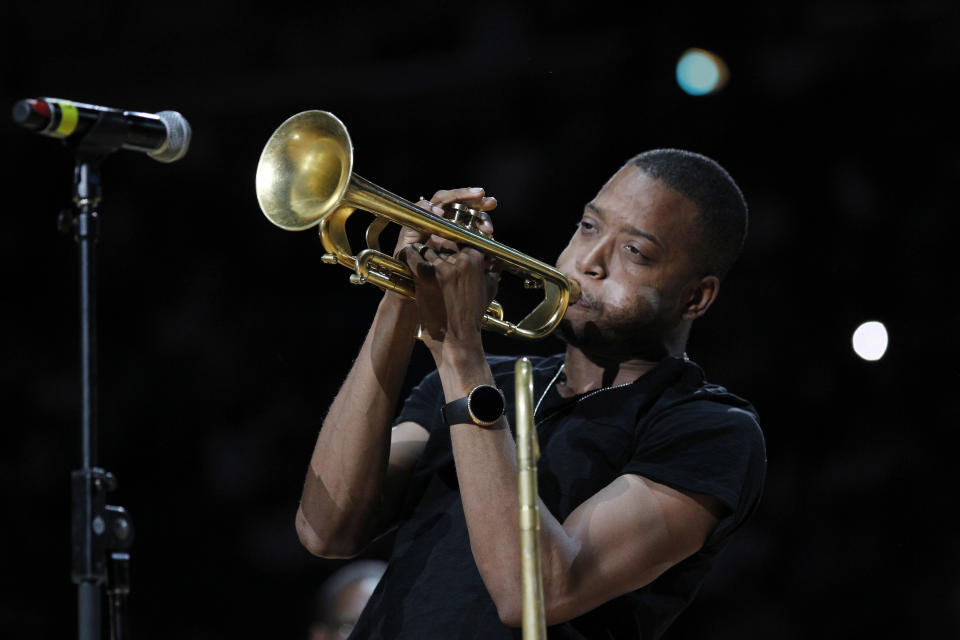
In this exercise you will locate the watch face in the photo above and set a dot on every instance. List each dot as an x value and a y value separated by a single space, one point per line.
486 404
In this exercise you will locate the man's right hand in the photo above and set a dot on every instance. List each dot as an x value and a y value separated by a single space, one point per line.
474 197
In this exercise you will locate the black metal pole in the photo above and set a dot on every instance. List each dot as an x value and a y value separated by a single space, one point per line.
118 589
87 570
87 197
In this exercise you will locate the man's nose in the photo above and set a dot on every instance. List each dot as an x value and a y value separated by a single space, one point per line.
593 261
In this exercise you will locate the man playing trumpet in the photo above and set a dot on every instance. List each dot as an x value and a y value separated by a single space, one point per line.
645 469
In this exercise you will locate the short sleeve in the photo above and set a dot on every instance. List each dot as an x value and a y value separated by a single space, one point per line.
706 447
424 402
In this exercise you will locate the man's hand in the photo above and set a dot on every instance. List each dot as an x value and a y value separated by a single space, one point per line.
454 285
453 292
474 197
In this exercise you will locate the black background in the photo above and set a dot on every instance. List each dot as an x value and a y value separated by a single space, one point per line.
223 338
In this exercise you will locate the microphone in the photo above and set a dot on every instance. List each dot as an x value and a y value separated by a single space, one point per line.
163 136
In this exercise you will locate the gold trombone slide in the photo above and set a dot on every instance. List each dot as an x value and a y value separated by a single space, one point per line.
528 450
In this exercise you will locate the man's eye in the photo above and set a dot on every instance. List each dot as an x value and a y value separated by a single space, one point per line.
586 225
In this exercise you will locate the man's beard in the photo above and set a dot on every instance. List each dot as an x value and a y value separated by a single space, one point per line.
620 339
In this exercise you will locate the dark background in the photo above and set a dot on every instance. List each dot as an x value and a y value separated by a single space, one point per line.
223 338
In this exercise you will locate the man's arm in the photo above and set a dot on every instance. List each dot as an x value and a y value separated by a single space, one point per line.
359 466
343 504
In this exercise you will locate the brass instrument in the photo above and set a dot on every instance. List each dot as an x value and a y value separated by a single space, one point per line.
528 450
305 178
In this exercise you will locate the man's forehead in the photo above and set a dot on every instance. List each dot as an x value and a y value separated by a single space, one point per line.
632 178
648 205
635 189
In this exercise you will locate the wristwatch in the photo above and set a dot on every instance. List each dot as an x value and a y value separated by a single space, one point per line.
483 406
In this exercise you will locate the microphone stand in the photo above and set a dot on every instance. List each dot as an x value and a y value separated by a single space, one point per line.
101 533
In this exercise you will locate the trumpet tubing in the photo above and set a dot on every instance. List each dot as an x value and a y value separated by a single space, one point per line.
305 178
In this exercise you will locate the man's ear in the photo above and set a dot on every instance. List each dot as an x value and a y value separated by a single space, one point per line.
701 295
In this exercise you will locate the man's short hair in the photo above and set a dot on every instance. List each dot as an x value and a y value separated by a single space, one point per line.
722 208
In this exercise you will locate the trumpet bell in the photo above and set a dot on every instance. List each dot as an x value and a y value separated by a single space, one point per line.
304 170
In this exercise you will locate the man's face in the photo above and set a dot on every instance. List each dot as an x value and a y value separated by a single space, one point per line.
632 254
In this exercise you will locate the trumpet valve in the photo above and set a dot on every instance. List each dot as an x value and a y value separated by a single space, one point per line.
357 279
464 216
329 258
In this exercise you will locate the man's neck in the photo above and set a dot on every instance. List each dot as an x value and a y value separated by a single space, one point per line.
583 372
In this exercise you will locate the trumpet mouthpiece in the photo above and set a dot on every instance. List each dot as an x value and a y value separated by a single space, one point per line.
574 291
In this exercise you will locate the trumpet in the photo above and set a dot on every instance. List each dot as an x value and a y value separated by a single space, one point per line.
305 178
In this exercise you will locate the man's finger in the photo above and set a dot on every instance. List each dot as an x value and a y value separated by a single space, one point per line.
443 246
486 203
429 299
466 194
485 224
435 209
473 257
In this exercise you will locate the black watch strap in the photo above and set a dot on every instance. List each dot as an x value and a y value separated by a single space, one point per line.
483 406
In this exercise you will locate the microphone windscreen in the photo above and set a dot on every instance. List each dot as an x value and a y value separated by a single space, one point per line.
178 137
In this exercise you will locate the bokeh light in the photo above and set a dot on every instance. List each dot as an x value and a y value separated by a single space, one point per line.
870 340
701 72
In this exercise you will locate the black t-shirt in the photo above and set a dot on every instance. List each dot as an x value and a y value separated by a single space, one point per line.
670 426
